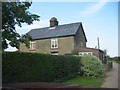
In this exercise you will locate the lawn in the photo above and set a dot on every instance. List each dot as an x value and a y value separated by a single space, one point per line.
88 82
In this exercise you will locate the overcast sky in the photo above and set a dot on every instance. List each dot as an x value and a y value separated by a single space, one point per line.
99 19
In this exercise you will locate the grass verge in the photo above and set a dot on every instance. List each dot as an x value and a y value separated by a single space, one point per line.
88 82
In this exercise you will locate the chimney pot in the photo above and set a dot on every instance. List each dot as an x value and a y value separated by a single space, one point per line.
53 22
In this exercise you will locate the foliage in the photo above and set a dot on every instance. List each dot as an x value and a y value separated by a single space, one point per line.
91 66
15 13
34 67
25 39
74 52
89 82
117 59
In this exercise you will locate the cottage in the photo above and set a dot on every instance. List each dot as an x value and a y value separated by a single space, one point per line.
60 40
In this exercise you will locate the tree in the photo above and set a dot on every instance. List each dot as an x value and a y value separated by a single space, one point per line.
15 13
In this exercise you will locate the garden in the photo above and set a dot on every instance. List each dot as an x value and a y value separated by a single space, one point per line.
18 67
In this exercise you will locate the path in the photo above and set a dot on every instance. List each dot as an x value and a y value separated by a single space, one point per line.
119 76
112 78
38 86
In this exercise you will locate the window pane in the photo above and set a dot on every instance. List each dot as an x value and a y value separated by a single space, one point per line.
54 43
32 45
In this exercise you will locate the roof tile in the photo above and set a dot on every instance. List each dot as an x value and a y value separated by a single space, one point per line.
61 30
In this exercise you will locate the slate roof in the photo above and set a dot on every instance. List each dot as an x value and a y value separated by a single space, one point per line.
58 31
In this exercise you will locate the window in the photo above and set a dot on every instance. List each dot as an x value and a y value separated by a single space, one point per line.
32 45
54 43
54 53
90 53
81 53
84 53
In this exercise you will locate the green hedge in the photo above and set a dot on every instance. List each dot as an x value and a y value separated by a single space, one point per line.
34 67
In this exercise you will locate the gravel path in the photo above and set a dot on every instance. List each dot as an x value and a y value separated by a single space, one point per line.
112 78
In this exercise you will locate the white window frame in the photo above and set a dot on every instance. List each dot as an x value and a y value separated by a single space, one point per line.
83 53
32 45
54 43
54 53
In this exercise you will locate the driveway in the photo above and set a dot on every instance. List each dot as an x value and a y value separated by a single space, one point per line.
112 78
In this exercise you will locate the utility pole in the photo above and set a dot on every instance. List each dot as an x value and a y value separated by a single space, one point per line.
98 43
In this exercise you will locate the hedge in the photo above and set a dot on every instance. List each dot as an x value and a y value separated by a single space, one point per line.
34 67
117 59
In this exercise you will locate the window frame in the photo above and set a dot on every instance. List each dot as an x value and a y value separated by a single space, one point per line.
32 45
54 53
54 43
85 53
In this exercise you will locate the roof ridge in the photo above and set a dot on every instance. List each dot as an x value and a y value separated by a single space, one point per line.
57 26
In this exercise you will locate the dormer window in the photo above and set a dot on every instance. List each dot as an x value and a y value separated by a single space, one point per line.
54 43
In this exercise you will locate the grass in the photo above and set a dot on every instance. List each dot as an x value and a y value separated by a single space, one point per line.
115 59
118 61
88 82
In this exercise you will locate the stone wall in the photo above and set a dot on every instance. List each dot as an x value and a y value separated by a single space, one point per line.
80 38
65 46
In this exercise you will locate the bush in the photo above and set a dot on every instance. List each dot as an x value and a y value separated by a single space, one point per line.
34 67
117 59
91 66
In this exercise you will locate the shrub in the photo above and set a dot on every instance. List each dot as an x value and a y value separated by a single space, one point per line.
34 67
117 59
91 66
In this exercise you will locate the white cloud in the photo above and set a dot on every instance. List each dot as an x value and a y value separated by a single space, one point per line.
11 49
94 7
36 24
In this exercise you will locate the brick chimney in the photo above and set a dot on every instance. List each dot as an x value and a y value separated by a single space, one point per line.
53 22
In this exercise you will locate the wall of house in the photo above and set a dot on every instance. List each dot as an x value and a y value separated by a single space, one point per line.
23 48
43 46
101 56
65 46
98 53
95 52
80 38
